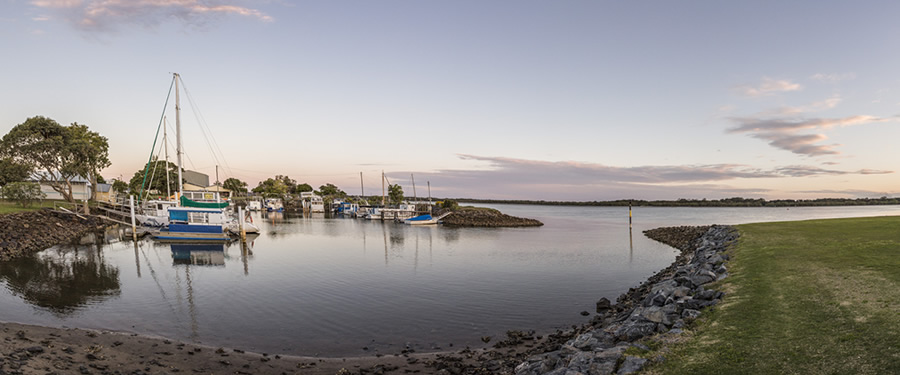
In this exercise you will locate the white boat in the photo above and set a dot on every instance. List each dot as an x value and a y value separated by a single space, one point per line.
234 225
194 224
402 212
155 213
274 205
346 208
191 221
373 213
254 205
312 202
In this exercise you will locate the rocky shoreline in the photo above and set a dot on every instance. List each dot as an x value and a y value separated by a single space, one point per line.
485 217
665 304
25 233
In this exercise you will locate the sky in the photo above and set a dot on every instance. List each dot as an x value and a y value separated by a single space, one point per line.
561 100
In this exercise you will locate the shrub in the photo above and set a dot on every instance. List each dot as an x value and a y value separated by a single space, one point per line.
23 193
450 204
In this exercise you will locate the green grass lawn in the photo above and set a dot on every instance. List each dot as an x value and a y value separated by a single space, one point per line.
810 297
7 207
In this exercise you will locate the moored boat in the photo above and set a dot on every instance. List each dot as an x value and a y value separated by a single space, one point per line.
274 205
194 224
425 219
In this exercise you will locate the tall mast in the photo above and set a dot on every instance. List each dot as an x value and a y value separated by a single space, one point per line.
217 183
382 189
362 190
166 144
413 178
178 150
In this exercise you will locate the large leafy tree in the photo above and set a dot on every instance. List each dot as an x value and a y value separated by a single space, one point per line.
156 178
395 194
59 152
277 187
330 190
235 185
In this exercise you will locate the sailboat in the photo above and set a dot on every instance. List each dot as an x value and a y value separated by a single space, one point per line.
192 221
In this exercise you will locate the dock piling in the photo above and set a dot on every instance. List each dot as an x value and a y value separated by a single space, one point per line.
629 214
241 221
133 224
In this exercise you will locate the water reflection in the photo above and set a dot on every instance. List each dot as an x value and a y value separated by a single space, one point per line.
62 279
198 254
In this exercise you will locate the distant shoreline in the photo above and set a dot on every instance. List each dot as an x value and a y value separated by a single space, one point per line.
727 202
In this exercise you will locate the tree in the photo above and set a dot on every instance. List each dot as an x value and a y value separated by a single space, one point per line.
119 186
290 183
155 179
24 193
329 190
303 188
277 187
90 152
59 152
235 185
450 204
11 171
395 194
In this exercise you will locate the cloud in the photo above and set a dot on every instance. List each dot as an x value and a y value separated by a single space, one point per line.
802 144
805 171
782 133
812 107
752 124
851 193
511 178
832 78
768 87
106 15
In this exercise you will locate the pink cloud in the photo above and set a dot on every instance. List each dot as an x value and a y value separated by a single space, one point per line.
104 15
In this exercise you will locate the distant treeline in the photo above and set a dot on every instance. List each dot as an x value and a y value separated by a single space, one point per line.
727 202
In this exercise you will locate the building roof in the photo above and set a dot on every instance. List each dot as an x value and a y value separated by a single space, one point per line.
195 178
37 175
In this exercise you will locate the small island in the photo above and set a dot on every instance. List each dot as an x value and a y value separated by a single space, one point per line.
484 217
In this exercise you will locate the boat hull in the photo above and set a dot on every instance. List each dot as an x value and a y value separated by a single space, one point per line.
192 233
164 235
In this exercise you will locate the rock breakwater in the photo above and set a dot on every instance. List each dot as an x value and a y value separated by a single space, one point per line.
486 217
665 304
24 233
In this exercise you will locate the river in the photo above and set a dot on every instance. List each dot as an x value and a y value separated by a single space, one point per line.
346 287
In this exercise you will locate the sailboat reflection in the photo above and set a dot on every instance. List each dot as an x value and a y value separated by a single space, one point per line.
199 254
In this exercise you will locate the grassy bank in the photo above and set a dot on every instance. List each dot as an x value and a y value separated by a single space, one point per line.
7 207
811 297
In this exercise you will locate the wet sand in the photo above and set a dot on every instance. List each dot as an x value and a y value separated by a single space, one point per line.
28 349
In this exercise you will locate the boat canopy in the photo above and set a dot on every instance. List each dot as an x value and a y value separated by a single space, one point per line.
185 202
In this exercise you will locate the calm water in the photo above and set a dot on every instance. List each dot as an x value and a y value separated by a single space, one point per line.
330 287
